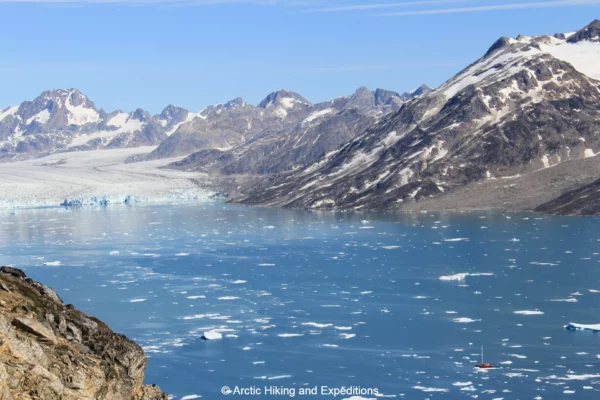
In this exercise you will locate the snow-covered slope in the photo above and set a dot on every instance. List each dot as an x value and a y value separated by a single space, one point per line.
529 103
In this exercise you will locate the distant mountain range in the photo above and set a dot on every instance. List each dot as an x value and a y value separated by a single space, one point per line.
66 120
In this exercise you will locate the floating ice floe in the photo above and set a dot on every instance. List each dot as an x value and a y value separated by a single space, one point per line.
464 320
461 276
456 277
316 325
461 384
430 389
573 377
212 335
571 326
528 312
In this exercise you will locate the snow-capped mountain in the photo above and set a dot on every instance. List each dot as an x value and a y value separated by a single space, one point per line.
287 132
284 131
528 104
66 120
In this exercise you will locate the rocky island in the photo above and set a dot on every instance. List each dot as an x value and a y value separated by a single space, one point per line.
49 350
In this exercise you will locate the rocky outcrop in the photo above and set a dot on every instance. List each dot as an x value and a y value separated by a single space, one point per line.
49 350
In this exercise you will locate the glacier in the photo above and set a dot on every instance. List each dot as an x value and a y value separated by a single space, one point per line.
97 178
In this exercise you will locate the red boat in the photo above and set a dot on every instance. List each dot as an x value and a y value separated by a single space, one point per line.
483 365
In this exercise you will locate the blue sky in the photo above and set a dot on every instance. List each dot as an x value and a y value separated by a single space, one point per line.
126 54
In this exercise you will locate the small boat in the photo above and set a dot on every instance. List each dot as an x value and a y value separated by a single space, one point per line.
483 365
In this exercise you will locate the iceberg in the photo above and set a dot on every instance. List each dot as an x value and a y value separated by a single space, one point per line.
456 277
212 335
571 326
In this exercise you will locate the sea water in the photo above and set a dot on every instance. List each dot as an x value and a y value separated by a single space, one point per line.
330 305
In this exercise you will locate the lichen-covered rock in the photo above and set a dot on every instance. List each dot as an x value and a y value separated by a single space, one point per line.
49 350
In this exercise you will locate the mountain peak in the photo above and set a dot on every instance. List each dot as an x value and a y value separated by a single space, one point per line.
283 97
235 103
590 33
362 98
383 96
498 44
172 112
423 89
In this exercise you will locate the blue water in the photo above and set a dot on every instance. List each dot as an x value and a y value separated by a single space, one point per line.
307 299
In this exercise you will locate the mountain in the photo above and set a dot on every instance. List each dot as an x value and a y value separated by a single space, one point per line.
236 137
66 120
293 133
224 126
529 104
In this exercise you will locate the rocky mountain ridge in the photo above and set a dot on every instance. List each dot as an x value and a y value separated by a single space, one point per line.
528 104
304 133
66 120
233 138
49 350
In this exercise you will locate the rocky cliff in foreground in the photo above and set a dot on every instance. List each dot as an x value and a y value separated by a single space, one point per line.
49 350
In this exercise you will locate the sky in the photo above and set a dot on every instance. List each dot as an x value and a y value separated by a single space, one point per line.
129 54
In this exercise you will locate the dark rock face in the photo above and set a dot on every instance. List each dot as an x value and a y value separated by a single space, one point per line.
17 273
582 201
52 351
590 33
498 44
383 97
515 111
